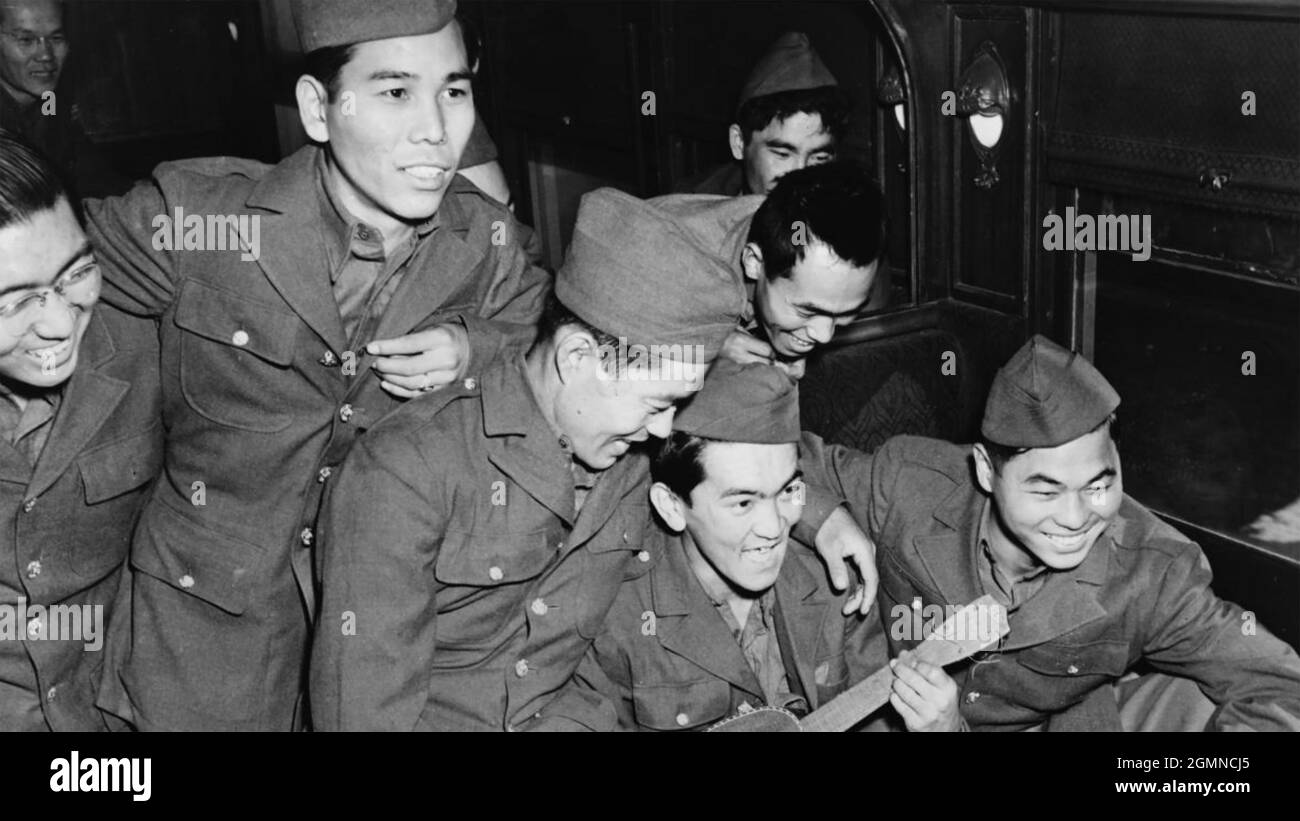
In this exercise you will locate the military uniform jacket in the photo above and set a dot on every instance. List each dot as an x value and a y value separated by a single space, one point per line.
1142 594
666 660
261 401
67 526
459 588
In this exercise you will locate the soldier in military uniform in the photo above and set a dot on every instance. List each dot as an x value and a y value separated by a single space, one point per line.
473 542
791 114
735 615
807 255
80 447
278 351
1094 583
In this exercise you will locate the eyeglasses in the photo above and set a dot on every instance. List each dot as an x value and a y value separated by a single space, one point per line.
76 288
29 43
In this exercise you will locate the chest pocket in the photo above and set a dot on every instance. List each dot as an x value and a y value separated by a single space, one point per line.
234 353
691 705
484 581
1073 670
110 472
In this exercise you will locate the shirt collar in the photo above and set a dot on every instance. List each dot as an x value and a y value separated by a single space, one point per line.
986 549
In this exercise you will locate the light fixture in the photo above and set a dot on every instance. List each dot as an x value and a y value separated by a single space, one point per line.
984 98
890 93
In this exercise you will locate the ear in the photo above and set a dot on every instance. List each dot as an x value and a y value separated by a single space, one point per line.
983 468
575 353
751 259
737 141
312 102
669 507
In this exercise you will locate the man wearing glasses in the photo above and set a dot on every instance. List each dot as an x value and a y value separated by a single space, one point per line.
33 53
80 445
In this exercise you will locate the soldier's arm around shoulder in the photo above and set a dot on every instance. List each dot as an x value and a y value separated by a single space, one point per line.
380 530
1252 675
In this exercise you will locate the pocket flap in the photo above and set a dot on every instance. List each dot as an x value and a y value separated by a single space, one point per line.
113 469
486 560
196 560
682 706
1101 658
266 331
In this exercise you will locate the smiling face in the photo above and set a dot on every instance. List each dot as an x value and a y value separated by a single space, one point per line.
39 344
1053 503
799 312
29 66
397 127
782 146
604 414
740 514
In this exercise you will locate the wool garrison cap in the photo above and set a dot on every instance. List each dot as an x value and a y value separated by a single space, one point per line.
754 403
789 65
323 23
1046 396
633 271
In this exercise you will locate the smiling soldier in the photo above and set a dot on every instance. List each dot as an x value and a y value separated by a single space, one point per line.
1094 583
80 444
378 272
736 614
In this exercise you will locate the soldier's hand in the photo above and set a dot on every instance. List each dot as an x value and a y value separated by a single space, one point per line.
743 348
794 368
924 695
421 362
840 538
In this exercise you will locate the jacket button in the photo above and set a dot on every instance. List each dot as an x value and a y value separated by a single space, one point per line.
305 536
495 574
683 719
644 556
186 581
324 473
625 538
345 412
33 569
53 693
521 668
539 607
471 383
28 505
1072 670
34 627
239 338
329 360
972 697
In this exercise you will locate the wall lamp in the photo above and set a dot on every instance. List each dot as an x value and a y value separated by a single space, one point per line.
890 93
984 98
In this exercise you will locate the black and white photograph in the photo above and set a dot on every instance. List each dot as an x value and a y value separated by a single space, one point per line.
884 366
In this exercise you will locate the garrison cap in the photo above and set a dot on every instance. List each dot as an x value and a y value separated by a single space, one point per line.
1046 396
754 403
790 64
324 23
633 271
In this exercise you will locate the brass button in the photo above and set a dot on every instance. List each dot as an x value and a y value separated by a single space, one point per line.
539 607
1072 670
33 569
324 473
239 338
521 668
34 627
495 574
305 536
345 412
329 360
972 697
186 581
471 383
644 555
683 719
53 693
28 505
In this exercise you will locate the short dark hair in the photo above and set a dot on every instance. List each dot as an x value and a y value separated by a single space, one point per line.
678 462
828 102
29 182
325 64
999 455
836 203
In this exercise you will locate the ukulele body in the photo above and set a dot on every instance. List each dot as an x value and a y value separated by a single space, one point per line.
759 720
